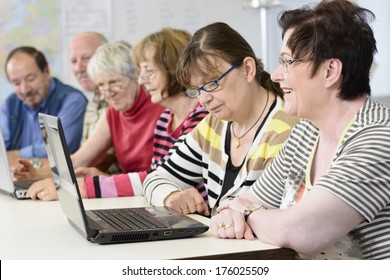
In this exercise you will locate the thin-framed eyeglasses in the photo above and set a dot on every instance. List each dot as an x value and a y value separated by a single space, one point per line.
113 86
286 62
149 73
209 86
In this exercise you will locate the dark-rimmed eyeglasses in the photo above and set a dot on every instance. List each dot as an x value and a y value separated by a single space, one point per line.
209 86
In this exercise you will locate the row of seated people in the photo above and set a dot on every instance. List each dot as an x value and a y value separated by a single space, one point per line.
146 103
298 158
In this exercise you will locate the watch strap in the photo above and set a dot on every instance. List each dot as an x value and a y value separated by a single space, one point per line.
250 209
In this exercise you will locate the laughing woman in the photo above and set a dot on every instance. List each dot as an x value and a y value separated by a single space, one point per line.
326 194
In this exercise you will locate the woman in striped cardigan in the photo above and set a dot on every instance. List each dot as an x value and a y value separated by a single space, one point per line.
232 146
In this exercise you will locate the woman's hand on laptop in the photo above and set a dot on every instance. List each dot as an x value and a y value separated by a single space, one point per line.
44 190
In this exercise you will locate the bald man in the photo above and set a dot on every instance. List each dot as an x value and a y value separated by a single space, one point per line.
82 48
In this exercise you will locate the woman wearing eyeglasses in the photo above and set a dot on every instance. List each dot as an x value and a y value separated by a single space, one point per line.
327 193
131 117
156 58
246 126
129 123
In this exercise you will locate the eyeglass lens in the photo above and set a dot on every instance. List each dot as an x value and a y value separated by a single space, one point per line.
209 86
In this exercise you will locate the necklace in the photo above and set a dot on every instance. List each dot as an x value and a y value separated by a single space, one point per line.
237 142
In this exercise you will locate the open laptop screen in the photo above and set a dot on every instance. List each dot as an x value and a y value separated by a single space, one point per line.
6 183
106 226
62 171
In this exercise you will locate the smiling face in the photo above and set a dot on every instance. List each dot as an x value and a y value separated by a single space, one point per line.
119 91
30 84
152 78
82 49
302 93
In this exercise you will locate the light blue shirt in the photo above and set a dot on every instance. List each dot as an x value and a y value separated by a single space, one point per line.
31 142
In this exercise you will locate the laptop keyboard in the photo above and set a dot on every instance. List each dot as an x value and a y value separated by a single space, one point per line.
24 184
128 218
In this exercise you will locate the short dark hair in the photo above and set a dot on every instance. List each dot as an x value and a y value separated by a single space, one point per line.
219 40
334 29
38 56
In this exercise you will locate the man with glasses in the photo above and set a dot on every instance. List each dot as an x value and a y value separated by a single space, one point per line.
37 92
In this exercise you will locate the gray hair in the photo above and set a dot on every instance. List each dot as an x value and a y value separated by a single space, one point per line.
112 59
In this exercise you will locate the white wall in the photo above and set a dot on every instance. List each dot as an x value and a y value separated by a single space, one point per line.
133 19
380 26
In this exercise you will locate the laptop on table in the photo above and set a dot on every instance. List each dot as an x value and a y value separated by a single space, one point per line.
17 189
107 226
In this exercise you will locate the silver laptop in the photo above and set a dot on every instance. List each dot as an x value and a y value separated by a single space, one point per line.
105 226
17 189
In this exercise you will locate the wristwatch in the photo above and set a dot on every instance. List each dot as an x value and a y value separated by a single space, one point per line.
36 162
250 209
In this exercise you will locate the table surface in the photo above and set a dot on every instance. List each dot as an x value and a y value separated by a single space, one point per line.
39 230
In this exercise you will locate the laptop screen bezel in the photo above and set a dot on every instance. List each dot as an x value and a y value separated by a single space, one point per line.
54 137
